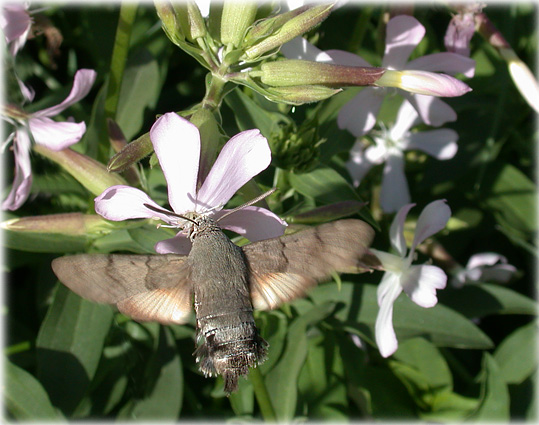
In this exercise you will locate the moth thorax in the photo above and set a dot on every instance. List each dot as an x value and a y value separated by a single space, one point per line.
203 224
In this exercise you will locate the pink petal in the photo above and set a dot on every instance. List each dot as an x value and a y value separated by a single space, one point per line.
55 135
27 92
432 219
441 144
396 231
358 165
499 273
341 57
388 291
394 193
432 110
176 142
22 182
358 116
243 157
299 48
403 34
83 81
421 283
449 63
118 203
179 244
485 259
431 84
459 33
254 223
15 23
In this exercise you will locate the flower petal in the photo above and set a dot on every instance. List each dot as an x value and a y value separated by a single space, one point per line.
407 117
341 57
243 157
499 273
388 291
358 165
118 203
254 223
55 135
403 34
179 244
394 193
421 283
485 259
390 262
300 48
15 22
176 142
82 83
358 116
432 219
449 63
430 83
396 231
22 182
441 143
459 33
432 110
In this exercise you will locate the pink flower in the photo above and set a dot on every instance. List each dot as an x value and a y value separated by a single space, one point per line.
176 143
420 282
403 34
16 24
462 28
390 145
40 128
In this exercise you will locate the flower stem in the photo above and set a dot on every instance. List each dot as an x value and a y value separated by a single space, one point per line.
262 395
128 12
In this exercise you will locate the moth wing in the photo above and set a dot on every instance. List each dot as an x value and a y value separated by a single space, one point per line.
285 268
145 287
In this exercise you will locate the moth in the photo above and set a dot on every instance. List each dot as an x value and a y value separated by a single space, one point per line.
225 281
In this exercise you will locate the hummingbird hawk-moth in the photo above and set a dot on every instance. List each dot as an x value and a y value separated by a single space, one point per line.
226 282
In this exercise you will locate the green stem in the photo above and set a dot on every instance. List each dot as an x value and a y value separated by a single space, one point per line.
128 12
262 395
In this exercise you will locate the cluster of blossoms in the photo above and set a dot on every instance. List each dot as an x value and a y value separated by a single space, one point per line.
246 154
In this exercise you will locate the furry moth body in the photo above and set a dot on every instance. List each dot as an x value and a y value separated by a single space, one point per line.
226 282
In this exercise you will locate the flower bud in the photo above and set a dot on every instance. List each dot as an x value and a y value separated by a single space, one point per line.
236 17
170 21
190 20
295 72
423 82
298 95
131 154
522 77
309 17
91 174
296 150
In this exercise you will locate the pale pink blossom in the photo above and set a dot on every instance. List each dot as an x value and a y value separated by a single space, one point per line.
176 142
419 282
388 149
40 128
486 267
16 23
403 34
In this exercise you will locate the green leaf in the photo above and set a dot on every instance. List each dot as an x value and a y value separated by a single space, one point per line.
69 345
243 400
324 185
274 330
25 398
281 382
512 196
449 407
164 384
494 394
440 324
140 90
484 299
516 355
426 359
147 236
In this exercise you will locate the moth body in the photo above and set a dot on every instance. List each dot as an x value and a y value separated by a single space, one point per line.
227 337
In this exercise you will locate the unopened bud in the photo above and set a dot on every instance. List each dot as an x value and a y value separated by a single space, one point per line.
298 95
131 154
236 17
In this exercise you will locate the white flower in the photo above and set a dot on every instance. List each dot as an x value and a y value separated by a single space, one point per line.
389 148
420 282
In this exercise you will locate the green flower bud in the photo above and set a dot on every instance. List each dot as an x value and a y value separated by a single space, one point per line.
131 154
236 17
295 72
170 21
296 150
191 21
308 18
299 95
91 174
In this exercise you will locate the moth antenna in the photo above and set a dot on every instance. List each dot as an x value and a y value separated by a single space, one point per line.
251 202
162 211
